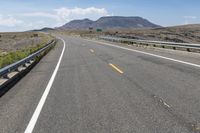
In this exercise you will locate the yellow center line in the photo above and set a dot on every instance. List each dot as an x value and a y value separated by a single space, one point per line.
91 50
116 68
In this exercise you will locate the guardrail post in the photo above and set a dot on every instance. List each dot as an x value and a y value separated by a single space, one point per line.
6 76
24 62
25 65
17 70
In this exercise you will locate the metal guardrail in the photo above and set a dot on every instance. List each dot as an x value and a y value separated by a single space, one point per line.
12 67
175 45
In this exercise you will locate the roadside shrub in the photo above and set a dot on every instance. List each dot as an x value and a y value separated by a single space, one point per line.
17 55
35 35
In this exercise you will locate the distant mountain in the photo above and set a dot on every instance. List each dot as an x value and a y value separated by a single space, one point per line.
111 22
78 24
44 29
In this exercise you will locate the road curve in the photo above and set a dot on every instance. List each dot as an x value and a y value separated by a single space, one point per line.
101 88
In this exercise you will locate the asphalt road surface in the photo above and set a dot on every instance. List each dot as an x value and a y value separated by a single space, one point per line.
91 87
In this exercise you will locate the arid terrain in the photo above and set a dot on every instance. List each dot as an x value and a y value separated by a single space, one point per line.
15 46
26 42
16 41
185 33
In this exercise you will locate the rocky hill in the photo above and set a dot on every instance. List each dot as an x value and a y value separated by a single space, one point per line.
111 22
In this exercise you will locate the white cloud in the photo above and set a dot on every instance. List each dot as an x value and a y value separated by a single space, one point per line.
35 25
51 18
9 21
190 17
67 14
40 14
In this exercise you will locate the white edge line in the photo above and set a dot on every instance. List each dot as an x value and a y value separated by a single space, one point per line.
154 55
32 122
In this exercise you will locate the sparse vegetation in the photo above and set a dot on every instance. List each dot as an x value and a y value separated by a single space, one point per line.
185 33
30 43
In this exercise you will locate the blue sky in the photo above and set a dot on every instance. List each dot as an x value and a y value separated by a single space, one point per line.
21 15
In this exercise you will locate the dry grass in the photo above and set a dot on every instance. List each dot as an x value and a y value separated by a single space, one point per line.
16 41
15 46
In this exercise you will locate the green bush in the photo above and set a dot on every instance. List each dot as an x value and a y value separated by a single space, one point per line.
19 54
14 56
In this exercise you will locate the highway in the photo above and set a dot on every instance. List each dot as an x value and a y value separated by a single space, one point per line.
83 86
